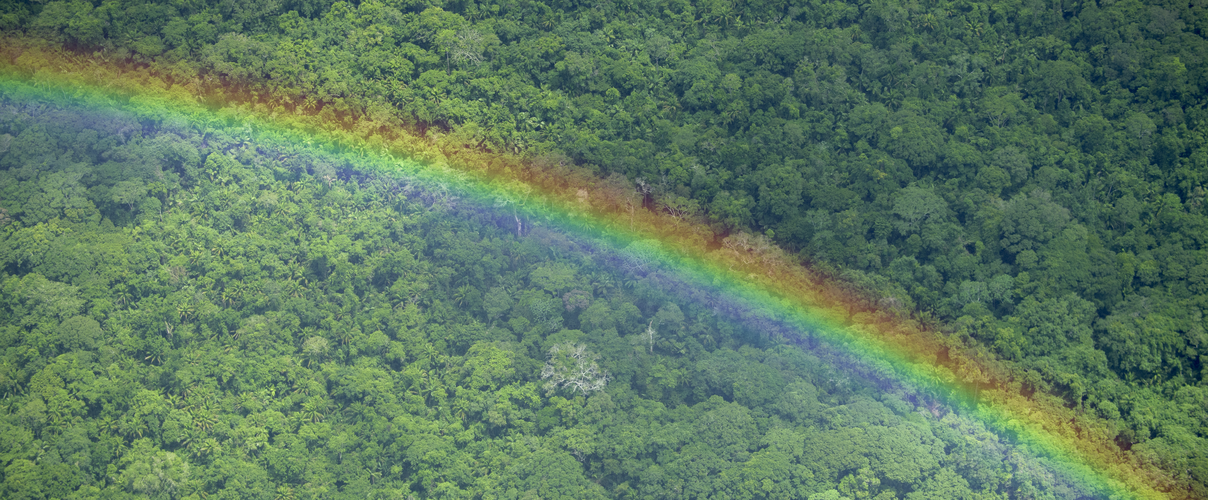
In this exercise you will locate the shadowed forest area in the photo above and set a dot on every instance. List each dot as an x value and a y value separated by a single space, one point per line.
1028 174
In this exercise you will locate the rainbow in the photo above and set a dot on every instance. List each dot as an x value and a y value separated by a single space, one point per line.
740 273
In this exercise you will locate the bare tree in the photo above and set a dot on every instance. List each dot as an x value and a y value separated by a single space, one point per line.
642 255
650 334
574 367
462 46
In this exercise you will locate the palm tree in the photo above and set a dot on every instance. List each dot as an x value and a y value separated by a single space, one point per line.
203 419
459 297
314 409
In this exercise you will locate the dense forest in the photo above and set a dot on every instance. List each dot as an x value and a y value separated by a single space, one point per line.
200 315
1028 174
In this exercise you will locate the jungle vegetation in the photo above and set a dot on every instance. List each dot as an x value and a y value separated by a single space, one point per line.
193 314
1028 174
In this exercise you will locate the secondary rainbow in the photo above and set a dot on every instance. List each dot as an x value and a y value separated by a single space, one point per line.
742 273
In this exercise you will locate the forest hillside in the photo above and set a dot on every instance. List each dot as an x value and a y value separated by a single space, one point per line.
194 313
1029 176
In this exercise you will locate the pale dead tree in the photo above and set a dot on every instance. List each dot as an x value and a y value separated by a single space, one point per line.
441 197
751 247
515 195
314 349
505 200
650 334
462 46
766 249
740 245
573 367
679 208
644 188
642 255
470 44
631 205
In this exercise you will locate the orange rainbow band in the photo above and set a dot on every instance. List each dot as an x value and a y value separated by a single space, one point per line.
750 273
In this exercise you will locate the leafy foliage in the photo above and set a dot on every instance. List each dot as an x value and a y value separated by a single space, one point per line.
267 329
988 165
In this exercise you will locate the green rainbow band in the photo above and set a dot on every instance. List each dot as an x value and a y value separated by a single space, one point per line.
685 265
